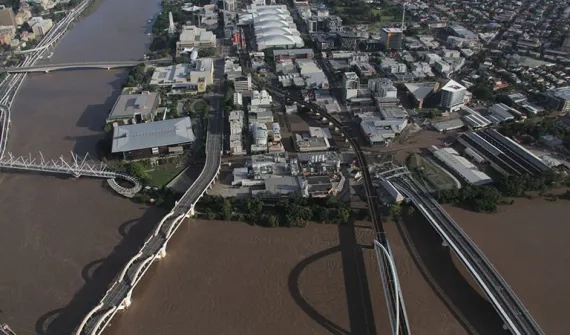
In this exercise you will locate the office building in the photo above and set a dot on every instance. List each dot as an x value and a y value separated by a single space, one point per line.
421 92
351 84
453 95
7 17
391 38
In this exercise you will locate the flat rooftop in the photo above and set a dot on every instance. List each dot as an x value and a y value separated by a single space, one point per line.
152 135
129 105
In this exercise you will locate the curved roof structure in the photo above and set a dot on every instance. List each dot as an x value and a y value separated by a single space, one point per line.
275 23
269 41
279 30
270 10
270 17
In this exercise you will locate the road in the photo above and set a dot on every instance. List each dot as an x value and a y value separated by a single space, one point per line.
516 317
119 295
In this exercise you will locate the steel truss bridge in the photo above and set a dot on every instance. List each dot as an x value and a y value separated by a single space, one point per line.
517 319
78 167
393 293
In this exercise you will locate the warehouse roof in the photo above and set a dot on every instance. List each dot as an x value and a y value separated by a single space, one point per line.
152 135
462 166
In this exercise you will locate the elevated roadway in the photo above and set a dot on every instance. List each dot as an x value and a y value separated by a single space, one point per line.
516 317
118 296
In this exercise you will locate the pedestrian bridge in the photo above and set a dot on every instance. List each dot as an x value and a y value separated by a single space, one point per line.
46 68
78 167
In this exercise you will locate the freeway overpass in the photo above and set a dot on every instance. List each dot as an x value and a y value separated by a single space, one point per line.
46 68
515 316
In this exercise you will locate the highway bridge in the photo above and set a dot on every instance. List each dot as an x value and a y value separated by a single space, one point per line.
46 68
515 316
394 297
118 296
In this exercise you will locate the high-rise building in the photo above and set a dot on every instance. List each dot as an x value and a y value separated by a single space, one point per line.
391 38
452 95
351 84
7 17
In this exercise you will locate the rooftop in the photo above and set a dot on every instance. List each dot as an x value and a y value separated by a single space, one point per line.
462 166
128 105
453 86
152 135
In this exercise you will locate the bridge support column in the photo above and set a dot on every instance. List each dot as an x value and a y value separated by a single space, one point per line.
127 301
46 71
191 212
445 244
162 252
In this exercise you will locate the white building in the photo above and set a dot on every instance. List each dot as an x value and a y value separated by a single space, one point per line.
196 76
194 37
261 99
273 25
452 95
351 84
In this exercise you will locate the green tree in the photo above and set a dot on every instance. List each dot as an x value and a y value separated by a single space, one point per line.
343 215
138 170
207 52
227 210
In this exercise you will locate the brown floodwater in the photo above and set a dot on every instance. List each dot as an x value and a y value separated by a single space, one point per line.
63 240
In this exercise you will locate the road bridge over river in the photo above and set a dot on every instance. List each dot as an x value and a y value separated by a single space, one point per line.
83 65
118 296
515 316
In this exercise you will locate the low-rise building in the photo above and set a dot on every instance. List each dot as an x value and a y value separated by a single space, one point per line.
154 139
195 76
558 99
134 108
194 37
6 35
461 166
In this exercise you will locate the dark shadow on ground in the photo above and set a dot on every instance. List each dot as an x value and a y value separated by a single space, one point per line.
294 290
360 312
94 116
98 276
435 262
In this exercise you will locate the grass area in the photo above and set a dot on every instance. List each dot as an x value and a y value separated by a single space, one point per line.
162 174
430 173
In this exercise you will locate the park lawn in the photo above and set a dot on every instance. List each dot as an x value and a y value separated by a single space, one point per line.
162 174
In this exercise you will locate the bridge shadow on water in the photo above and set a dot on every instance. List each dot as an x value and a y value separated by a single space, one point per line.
450 282
98 275
361 316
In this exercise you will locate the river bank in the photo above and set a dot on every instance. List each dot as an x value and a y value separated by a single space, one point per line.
62 241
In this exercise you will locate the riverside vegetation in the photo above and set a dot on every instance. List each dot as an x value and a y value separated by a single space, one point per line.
284 212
